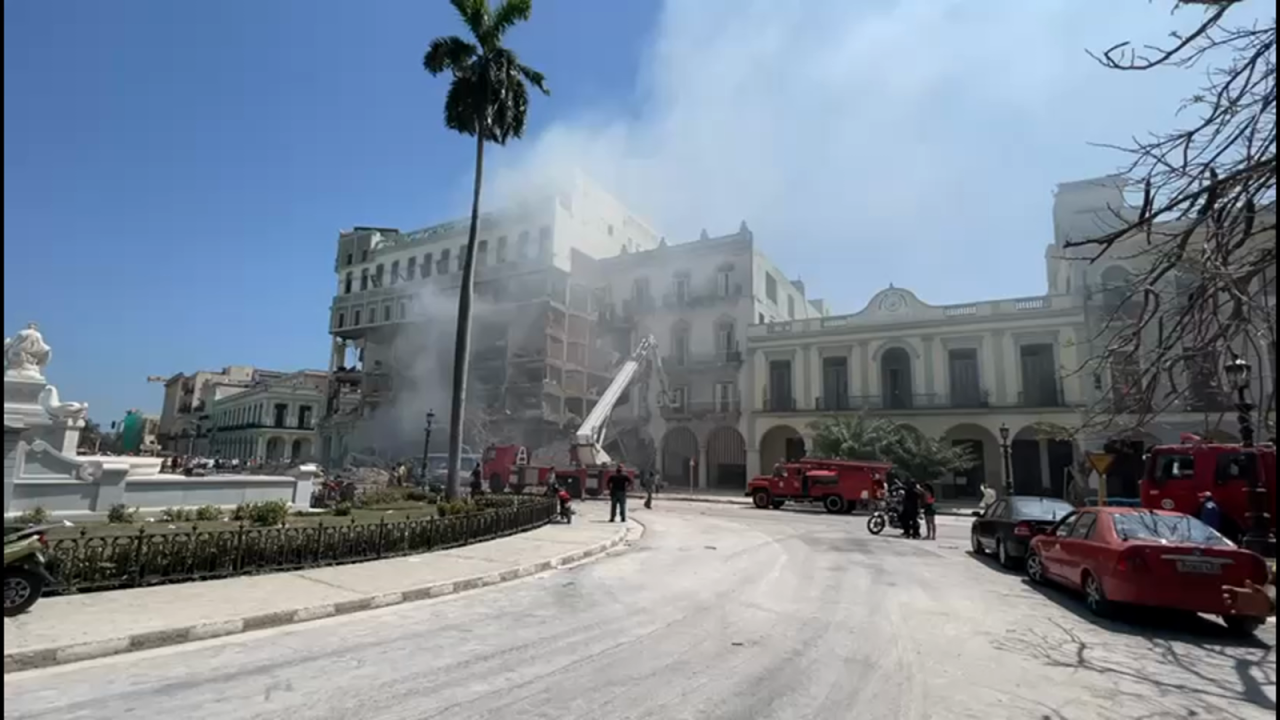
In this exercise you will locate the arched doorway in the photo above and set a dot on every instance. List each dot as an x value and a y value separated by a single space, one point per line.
295 450
726 459
679 447
779 442
987 470
275 449
895 379
1042 458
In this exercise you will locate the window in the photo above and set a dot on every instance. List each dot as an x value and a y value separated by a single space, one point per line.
760 318
377 275
482 253
640 288
680 345
395 272
1171 528
723 285
726 342
442 265
364 280
676 398
682 288
1175 467
347 283
726 397
426 266
791 307
771 287
364 255
355 319
1064 528
544 242
462 257
835 383
411 269
522 245
1236 466
350 259
342 320
1084 526
502 249
386 313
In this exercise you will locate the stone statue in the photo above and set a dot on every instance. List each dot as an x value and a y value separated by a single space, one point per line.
26 355
61 410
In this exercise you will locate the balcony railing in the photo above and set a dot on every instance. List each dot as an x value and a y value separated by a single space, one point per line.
779 404
731 357
1045 397
724 408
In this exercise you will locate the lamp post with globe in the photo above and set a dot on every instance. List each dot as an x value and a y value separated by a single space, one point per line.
1008 462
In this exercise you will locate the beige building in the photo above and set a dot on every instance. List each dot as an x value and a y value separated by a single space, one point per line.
961 372
182 428
696 299
273 421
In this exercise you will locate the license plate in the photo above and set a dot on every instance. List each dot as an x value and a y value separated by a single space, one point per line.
1199 567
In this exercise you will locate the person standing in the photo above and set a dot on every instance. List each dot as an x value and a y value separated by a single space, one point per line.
619 484
1210 514
648 483
928 499
911 510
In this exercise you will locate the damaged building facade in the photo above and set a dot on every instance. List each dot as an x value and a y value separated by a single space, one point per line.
538 362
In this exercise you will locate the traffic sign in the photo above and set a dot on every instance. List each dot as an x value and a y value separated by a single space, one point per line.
1100 461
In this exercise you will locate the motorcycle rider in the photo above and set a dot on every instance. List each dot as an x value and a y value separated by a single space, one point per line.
910 510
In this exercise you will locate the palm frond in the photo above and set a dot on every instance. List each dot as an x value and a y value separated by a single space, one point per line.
506 16
449 54
475 15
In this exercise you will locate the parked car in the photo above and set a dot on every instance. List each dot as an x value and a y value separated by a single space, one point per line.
1007 526
1153 558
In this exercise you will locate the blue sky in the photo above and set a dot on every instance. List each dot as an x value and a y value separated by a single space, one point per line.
176 173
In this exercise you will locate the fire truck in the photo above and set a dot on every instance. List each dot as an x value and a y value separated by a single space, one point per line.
839 486
1177 475
589 465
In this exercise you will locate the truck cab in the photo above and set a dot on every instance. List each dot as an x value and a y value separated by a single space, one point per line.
1176 475
839 486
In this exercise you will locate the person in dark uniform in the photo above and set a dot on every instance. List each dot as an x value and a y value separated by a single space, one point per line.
619 484
477 484
911 509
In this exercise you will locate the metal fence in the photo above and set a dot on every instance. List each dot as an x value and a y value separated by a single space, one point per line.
153 557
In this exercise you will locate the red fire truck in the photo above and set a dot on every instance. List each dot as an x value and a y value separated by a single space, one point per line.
1177 475
589 465
840 486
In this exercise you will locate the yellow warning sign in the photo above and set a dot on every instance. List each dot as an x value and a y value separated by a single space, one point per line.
1100 461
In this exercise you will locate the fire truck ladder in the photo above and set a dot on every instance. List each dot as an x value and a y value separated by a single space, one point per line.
588 448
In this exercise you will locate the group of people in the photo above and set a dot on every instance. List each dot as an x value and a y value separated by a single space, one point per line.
918 498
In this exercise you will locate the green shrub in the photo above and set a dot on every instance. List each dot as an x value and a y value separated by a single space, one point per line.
35 516
177 514
421 495
120 514
208 513
375 496
268 513
342 509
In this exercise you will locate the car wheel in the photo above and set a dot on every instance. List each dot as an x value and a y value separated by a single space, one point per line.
976 542
1095 598
1244 627
1007 561
761 499
1035 567
22 588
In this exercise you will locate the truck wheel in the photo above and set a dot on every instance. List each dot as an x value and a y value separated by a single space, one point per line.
761 499
833 504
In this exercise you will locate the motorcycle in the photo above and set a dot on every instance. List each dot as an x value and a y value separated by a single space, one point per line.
26 569
888 514
565 512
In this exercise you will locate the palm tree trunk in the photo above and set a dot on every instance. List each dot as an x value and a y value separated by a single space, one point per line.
462 343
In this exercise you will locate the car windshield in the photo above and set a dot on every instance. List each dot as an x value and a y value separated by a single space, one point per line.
1037 508
1167 528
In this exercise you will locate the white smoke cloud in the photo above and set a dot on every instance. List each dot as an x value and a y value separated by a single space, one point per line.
914 142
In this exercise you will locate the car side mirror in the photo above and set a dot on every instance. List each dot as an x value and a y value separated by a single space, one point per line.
976 513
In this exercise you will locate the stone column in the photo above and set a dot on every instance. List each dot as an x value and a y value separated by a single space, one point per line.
704 471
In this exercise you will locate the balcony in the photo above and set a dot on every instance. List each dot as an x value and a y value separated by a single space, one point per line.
677 301
692 361
1049 396
727 411
779 404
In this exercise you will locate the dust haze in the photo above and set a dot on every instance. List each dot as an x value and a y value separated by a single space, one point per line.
896 137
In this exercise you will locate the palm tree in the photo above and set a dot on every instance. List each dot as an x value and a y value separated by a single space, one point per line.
488 99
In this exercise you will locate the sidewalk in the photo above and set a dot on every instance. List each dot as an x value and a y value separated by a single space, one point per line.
71 628
944 508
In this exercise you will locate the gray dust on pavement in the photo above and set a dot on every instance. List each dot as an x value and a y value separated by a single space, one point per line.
719 612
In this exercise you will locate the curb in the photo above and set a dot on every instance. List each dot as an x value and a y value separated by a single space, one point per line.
62 655
725 500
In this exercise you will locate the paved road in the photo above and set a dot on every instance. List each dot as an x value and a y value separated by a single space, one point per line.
720 612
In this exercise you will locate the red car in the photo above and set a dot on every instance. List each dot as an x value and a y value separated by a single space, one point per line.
1154 558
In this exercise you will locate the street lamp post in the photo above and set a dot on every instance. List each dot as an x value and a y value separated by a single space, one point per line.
1258 536
426 445
1008 463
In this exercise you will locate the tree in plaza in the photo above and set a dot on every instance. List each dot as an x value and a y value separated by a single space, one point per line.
488 99
862 437
1202 238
